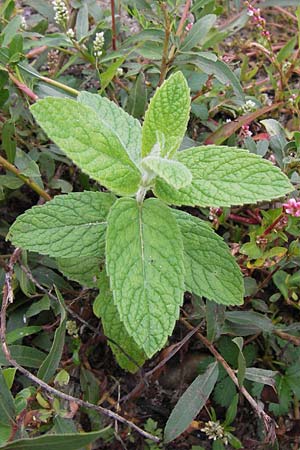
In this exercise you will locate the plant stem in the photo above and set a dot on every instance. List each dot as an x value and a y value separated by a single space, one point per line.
113 25
8 166
59 85
165 57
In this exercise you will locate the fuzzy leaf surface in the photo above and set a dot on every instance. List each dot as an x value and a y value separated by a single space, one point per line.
211 271
95 148
85 271
70 225
125 127
114 329
225 176
173 172
144 260
167 116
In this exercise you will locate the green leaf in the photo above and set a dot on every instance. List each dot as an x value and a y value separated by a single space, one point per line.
191 403
37 306
225 176
115 330
137 98
127 129
198 32
144 258
9 376
7 406
82 22
107 76
211 271
239 342
167 116
25 356
245 323
20 333
231 411
70 225
85 271
262 376
51 363
55 442
79 132
220 70
173 172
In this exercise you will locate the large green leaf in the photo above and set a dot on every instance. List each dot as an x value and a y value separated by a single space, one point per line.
85 271
191 403
94 147
173 172
224 176
211 271
51 363
55 441
125 127
144 257
68 226
167 116
115 330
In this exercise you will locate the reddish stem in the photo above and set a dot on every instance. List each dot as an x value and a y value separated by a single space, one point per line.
241 219
23 88
113 25
273 225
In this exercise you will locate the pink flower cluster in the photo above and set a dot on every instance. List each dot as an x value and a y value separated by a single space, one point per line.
292 207
258 19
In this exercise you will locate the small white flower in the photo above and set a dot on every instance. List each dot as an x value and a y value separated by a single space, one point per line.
24 25
214 430
70 33
98 44
120 72
249 106
61 12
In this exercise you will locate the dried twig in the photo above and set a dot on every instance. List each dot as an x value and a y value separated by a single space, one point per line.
8 298
268 422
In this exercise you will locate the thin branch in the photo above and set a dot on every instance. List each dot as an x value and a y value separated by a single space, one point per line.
164 59
268 422
113 25
8 166
8 298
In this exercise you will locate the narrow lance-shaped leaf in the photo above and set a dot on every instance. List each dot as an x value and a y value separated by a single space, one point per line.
125 127
144 258
70 225
64 441
225 176
51 363
94 147
115 330
173 172
211 271
191 403
167 116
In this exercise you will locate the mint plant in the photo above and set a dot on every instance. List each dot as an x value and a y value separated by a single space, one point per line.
152 252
